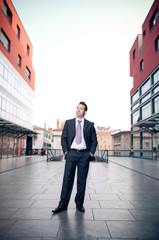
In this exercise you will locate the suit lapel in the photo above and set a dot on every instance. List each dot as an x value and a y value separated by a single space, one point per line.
85 128
74 126
73 123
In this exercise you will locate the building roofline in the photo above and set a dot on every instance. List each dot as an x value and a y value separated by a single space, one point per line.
21 23
121 132
148 12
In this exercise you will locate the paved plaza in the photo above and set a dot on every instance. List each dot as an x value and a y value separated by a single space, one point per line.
121 202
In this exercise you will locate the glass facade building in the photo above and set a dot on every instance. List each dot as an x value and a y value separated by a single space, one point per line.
144 68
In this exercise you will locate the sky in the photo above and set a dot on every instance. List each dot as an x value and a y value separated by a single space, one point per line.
81 53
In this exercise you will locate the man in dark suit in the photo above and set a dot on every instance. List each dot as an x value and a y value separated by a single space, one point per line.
79 144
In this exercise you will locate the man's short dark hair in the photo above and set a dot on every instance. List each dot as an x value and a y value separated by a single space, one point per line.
83 103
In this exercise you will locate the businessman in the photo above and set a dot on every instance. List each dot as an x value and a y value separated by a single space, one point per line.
79 144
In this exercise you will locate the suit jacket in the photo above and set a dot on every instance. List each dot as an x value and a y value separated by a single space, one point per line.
69 132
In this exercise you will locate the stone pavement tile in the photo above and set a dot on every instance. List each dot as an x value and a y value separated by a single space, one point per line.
83 228
15 238
45 196
16 196
31 190
30 213
118 239
91 204
2 195
8 187
116 204
135 229
104 196
7 203
33 229
146 214
131 190
138 196
101 185
105 190
74 238
56 189
5 213
45 203
5 225
73 214
90 190
11 190
112 214
140 204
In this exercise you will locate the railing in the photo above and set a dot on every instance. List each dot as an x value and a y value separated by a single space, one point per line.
147 154
101 155
119 153
54 154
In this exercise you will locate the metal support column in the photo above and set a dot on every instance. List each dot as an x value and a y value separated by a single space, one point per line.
141 143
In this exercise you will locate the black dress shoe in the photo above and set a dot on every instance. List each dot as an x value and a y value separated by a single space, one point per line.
59 209
81 209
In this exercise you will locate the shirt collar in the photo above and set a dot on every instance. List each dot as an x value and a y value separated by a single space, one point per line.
82 120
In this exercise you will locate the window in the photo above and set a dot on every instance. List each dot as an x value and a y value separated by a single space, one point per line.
145 98
156 105
156 89
145 87
134 54
19 60
28 73
146 111
144 33
135 106
28 50
154 19
135 117
157 44
5 40
155 77
135 97
1 69
136 141
7 11
18 32
141 65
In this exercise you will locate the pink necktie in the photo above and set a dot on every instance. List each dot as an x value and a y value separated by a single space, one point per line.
78 137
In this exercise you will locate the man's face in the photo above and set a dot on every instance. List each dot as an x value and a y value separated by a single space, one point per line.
80 111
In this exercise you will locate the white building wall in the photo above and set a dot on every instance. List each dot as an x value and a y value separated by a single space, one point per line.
38 142
57 139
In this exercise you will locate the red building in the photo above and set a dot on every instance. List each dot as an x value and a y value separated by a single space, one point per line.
144 68
17 83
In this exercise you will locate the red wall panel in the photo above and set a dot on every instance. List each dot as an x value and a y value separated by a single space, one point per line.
149 55
17 46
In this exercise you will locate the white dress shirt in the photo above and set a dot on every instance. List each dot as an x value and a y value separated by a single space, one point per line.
82 145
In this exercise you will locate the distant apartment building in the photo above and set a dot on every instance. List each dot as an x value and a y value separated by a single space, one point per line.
104 138
43 139
121 140
17 83
144 68
57 132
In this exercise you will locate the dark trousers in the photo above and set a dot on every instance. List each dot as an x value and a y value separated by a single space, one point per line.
81 161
